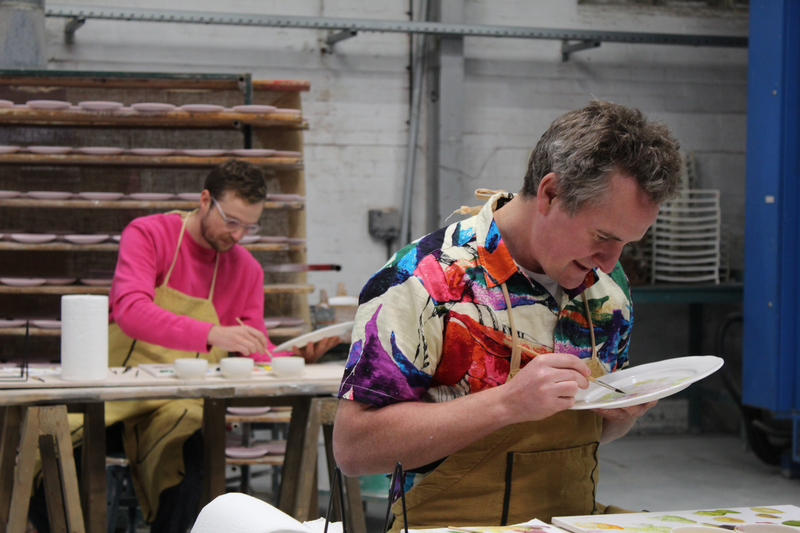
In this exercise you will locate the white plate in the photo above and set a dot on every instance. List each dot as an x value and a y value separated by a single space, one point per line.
46 324
6 103
100 150
645 383
248 411
254 108
22 282
152 151
49 195
151 196
8 149
12 323
47 150
336 330
289 321
96 282
189 196
253 152
99 105
85 239
32 238
241 452
203 152
201 108
60 281
9 194
117 237
249 239
270 323
286 153
101 196
152 107
48 104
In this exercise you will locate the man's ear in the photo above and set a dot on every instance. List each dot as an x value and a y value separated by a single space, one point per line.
547 192
205 201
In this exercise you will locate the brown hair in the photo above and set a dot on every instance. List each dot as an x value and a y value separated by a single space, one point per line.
584 146
244 179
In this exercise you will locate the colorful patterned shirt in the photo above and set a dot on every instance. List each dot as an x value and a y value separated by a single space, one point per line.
432 325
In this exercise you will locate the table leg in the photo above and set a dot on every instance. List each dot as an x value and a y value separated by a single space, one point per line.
54 421
213 450
9 440
51 480
93 468
23 473
299 462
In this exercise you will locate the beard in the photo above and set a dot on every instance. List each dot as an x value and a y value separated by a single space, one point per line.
216 242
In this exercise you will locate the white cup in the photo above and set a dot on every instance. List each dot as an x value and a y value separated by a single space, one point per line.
190 368
236 367
287 366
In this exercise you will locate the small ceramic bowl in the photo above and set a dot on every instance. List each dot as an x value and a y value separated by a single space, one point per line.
191 368
287 366
236 367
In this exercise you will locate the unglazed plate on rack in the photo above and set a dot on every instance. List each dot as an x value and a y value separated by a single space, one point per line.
242 452
248 411
270 323
49 195
252 108
648 382
201 108
152 107
6 103
100 105
86 239
253 152
99 150
22 282
46 324
12 322
274 239
152 151
189 196
151 196
9 149
203 152
49 150
249 239
32 238
9 194
101 196
49 105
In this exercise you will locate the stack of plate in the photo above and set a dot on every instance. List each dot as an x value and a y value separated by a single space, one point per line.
686 238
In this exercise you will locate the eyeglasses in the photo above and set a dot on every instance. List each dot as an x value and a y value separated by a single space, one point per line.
232 224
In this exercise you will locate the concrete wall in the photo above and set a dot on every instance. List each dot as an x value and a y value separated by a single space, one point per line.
358 104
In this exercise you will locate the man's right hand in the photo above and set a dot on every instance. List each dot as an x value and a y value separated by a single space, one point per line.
243 339
546 385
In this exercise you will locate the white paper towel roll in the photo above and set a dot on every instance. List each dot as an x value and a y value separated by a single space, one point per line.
84 337
239 513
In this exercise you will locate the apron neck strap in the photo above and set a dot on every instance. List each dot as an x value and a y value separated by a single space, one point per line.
515 349
175 257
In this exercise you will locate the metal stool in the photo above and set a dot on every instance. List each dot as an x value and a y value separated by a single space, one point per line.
120 492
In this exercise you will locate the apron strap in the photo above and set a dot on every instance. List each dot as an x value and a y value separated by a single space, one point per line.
214 278
515 349
480 194
177 249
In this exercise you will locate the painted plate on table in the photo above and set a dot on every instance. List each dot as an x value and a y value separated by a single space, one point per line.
645 383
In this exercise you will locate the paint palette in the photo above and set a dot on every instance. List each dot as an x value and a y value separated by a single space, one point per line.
645 383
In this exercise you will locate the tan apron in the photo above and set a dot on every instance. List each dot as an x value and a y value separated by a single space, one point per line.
529 470
155 430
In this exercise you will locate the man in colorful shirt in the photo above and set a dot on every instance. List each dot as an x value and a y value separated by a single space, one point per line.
531 289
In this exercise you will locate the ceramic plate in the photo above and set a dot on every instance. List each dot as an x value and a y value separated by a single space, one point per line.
289 321
99 105
12 323
189 196
117 237
8 149
276 239
49 195
249 239
286 111
273 447
6 103
203 152
100 150
33 238
152 151
9 194
85 239
254 108
285 197
22 282
59 281
101 196
241 452
151 196
46 324
49 149
96 282
286 153
336 330
645 383
48 104
253 152
152 107
270 323
248 411
201 108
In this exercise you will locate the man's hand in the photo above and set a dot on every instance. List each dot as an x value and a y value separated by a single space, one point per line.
546 385
243 339
314 350
617 422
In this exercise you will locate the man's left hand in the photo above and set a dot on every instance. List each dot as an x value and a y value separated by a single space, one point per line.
314 350
617 422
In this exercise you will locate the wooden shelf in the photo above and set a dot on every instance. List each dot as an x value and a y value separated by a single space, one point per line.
128 118
56 332
278 288
114 247
179 161
126 204
274 460
270 417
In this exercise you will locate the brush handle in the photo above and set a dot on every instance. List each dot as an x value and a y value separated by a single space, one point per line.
606 385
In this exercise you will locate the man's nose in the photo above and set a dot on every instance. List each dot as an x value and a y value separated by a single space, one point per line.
238 233
607 258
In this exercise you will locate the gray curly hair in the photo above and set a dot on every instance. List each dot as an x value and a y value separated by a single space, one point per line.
584 146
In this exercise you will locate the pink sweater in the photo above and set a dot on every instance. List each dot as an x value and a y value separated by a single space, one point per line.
145 255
